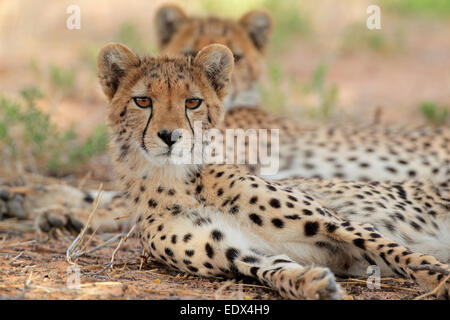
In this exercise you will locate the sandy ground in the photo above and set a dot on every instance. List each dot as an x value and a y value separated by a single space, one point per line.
37 269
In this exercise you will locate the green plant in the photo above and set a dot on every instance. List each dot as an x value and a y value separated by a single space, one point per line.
61 78
327 95
272 94
434 114
28 135
427 8
30 94
289 21
96 143
128 34
34 68
233 8
89 56
357 36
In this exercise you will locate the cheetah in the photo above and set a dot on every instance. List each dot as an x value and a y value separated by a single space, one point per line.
218 219
247 38
351 152
373 153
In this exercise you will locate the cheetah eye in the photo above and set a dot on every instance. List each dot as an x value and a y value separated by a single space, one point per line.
143 102
193 103
237 57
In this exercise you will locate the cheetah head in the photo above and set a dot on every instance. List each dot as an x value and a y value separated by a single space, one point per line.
155 102
247 38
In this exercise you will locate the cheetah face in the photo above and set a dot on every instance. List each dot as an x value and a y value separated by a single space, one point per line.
247 38
156 102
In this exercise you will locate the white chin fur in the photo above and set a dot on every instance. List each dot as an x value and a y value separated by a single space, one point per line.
165 164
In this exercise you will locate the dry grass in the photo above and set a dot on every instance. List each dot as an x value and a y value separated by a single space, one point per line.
32 269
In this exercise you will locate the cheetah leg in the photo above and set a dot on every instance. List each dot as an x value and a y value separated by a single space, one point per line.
396 256
291 279
207 247
72 219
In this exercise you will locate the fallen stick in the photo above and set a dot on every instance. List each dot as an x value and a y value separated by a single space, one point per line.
435 290
122 240
72 249
382 285
104 244
17 257
16 244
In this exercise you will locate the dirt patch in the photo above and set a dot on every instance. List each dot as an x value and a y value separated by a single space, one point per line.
35 269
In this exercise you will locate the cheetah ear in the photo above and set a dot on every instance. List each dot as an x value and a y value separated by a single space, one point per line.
113 61
217 62
258 24
168 20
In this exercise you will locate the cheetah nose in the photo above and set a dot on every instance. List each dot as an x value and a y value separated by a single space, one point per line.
169 137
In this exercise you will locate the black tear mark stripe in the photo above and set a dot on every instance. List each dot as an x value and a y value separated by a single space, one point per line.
145 130
189 120
209 116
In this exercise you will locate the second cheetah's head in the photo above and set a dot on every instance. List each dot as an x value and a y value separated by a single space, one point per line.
155 102
247 38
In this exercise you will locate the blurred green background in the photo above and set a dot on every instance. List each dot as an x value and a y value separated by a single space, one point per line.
323 66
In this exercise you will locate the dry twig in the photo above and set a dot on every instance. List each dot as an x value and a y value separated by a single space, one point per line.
104 244
382 285
16 244
122 240
435 290
73 249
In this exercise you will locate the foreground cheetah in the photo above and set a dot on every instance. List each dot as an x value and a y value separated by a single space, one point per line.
348 152
222 220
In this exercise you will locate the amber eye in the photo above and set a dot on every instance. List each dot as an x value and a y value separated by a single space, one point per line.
237 57
143 102
193 103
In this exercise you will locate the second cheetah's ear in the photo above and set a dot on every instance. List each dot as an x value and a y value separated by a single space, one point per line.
113 61
217 61
258 25
168 19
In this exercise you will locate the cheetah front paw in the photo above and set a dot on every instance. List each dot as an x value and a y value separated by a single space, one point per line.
73 220
313 284
57 217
